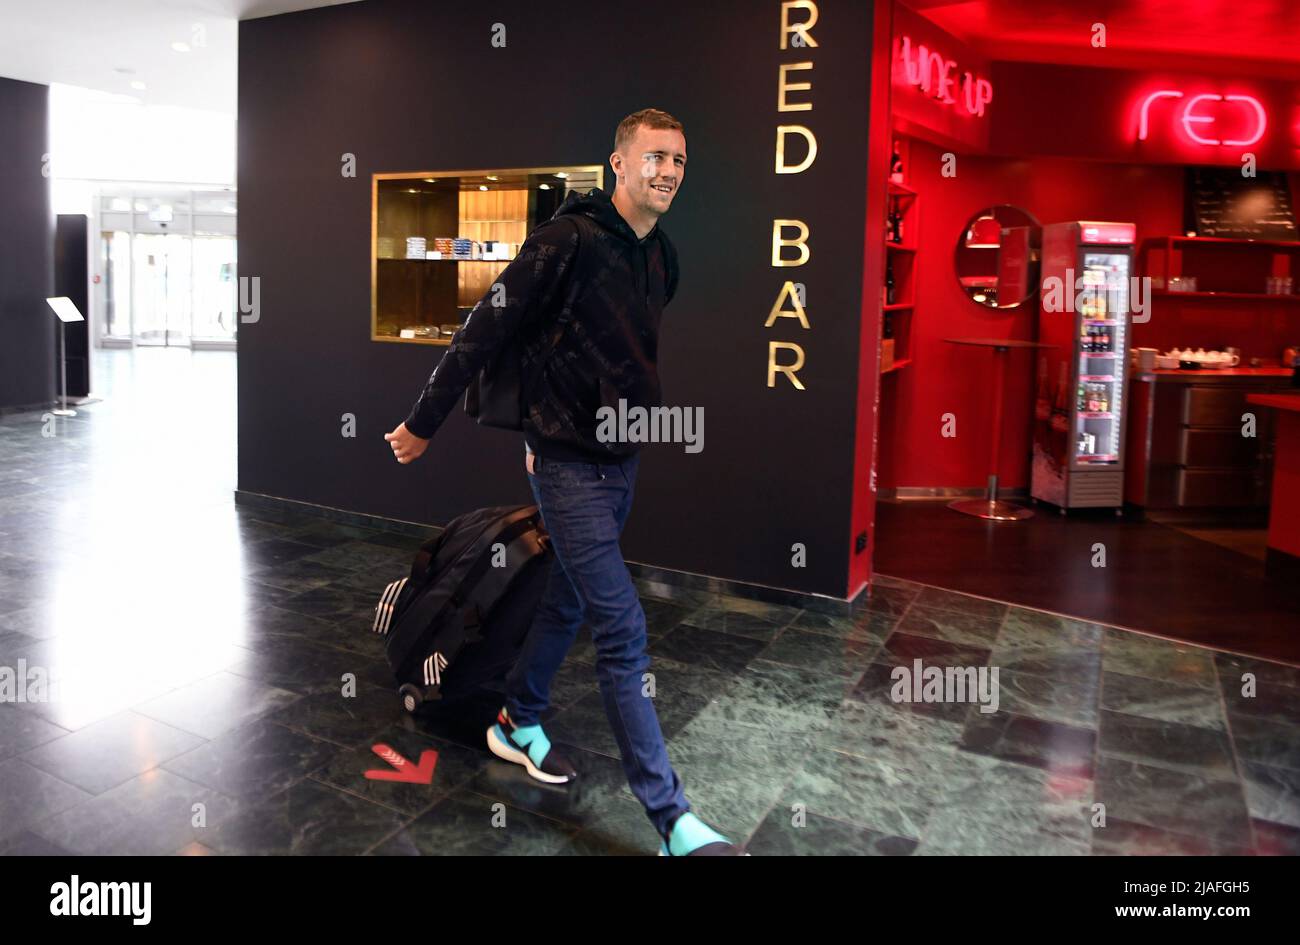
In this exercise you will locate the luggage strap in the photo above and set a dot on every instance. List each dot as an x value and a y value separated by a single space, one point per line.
523 542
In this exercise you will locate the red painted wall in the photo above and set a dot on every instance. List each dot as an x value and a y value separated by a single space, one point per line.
944 378
863 515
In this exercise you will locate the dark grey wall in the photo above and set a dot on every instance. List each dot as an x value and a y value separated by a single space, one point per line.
409 86
27 339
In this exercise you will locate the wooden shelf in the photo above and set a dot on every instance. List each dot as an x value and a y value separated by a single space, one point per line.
443 259
903 206
1221 240
1252 296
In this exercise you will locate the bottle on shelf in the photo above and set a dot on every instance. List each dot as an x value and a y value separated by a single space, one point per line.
889 282
896 165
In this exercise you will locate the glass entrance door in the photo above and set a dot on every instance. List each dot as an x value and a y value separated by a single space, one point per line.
162 289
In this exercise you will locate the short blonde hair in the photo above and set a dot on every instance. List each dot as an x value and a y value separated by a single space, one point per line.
651 118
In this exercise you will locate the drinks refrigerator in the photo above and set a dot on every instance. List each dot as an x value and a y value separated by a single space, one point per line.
1078 455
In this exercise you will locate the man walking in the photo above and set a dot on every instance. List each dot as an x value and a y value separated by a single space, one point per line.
584 297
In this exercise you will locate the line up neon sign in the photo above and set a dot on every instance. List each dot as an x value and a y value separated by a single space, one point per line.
1192 119
936 75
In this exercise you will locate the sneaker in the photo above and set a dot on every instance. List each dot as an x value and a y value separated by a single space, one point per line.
528 746
690 836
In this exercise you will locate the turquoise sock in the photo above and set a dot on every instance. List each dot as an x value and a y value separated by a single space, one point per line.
534 741
690 833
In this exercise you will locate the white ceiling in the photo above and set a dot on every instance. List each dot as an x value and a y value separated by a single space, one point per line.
89 42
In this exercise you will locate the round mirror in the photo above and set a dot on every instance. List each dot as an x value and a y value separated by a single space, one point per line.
997 256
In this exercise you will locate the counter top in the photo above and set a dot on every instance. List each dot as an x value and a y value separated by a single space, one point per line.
1216 375
1280 401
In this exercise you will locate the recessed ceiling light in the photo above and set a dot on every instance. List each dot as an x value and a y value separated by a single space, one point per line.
430 180
543 186
493 177
181 47
482 186
562 174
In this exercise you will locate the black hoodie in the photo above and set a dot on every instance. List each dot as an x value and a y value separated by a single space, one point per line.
609 297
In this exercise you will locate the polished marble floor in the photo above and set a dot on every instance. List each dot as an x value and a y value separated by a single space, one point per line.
219 691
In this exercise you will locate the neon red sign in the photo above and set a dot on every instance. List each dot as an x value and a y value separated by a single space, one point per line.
936 76
1194 116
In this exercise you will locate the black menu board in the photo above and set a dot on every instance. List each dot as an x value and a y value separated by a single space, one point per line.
1221 202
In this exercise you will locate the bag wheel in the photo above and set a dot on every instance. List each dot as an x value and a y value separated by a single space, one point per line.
411 697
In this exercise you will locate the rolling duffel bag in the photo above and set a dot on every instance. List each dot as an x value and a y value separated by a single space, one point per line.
460 618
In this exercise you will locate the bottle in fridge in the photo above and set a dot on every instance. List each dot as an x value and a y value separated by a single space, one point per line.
1086 319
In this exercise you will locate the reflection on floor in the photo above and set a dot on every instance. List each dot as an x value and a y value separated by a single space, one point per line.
200 652
1155 578
1244 533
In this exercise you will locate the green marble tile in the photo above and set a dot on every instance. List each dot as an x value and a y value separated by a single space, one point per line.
900 585
877 686
1197 751
343 720
967 628
818 652
886 793
1033 628
153 814
661 616
870 729
1168 702
746 618
1062 698
1061 666
868 626
782 833
1267 701
1272 743
707 649
467 824
620 828
885 599
1172 800
959 603
1272 794
1008 809
1275 839
307 819
1266 672
1121 838
781 698
732 772
1135 655
1051 746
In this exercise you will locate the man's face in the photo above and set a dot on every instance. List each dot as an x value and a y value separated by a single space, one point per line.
652 165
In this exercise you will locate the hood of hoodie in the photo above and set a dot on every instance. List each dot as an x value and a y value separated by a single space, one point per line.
597 205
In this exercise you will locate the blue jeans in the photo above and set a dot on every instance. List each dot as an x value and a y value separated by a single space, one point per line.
584 506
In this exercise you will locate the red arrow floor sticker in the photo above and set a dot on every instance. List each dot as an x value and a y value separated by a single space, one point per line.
403 769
